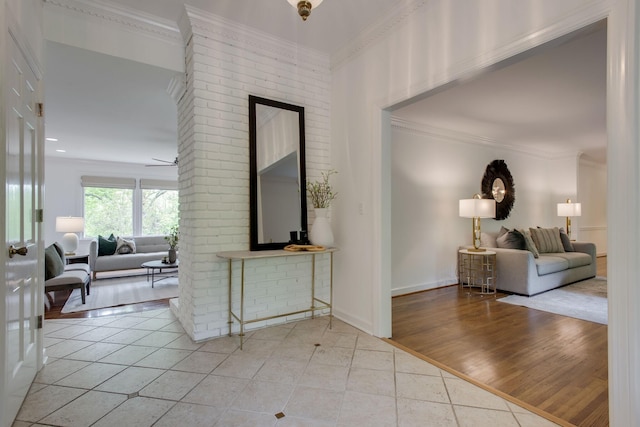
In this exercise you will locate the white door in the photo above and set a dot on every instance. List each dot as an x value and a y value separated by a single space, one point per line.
23 287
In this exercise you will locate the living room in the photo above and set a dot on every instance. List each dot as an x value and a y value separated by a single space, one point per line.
356 232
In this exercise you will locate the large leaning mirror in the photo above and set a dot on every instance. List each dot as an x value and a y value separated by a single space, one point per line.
277 172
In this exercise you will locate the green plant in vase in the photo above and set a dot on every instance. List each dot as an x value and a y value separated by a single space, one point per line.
172 238
321 195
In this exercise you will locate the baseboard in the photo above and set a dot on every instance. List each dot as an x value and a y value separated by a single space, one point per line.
423 287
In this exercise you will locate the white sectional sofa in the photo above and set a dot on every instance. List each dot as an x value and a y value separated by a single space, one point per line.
520 272
147 248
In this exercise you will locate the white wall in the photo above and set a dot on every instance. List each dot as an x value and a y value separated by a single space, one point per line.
592 193
429 174
64 195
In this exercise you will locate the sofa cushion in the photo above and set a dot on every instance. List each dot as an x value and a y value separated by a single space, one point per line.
53 265
147 244
547 264
107 246
530 245
575 259
74 277
512 240
78 266
125 246
547 240
566 241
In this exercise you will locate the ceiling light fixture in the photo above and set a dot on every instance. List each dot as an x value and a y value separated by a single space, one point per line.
304 6
52 139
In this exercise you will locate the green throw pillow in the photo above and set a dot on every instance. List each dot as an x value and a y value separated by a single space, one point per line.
53 265
107 246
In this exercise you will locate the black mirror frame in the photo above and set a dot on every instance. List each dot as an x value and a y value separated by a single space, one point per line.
499 169
253 171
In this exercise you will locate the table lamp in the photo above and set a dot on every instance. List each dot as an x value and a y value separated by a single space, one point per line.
569 209
477 208
69 225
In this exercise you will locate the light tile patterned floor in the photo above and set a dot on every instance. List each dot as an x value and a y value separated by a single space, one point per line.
142 370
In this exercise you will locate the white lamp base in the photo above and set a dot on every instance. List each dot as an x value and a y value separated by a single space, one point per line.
70 243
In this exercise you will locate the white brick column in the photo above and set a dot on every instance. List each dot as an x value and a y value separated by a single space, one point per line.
225 63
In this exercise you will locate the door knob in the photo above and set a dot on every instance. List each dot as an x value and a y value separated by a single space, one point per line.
19 251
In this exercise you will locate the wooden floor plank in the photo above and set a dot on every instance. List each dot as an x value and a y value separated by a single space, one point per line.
555 363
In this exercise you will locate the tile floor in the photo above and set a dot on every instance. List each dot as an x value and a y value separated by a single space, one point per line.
142 369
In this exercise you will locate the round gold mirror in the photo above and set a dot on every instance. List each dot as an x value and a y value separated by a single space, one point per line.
498 190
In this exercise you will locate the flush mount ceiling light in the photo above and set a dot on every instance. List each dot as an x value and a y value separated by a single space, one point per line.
304 6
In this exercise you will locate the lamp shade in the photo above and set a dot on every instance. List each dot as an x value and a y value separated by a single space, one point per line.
477 208
569 209
69 224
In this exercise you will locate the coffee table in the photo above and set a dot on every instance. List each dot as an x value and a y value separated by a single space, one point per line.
158 275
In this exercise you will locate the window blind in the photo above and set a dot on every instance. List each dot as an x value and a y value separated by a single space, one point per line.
158 184
108 182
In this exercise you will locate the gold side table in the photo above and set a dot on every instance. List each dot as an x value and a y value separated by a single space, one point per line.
477 270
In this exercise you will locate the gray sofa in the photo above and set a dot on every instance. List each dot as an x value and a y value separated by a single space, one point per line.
148 248
519 272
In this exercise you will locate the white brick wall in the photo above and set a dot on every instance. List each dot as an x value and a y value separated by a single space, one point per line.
224 64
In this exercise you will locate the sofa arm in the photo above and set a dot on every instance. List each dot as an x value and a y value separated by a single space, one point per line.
93 253
587 248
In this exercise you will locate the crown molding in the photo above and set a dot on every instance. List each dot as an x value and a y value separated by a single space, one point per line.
396 17
234 33
475 140
132 19
592 163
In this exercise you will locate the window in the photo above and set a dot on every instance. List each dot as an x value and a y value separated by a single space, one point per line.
108 210
159 210
119 206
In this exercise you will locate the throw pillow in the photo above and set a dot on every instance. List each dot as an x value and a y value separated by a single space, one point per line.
53 265
566 241
512 240
488 240
124 246
107 246
503 230
547 240
60 251
531 246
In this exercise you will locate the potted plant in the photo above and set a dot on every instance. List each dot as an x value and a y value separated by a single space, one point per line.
172 239
321 195
320 192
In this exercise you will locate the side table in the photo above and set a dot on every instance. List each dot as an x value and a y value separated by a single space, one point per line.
477 270
77 259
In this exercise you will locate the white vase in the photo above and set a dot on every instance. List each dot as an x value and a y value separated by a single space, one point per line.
320 233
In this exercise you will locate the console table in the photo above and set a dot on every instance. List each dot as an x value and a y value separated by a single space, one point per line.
243 256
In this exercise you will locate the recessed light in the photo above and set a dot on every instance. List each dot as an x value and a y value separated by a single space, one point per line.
61 151
52 139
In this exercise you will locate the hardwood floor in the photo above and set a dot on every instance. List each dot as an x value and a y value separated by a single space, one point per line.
60 297
554 363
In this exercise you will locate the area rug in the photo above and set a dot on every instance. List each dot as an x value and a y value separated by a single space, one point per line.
120 291
586 300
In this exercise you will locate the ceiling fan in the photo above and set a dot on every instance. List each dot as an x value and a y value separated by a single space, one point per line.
165 162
